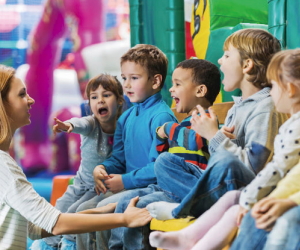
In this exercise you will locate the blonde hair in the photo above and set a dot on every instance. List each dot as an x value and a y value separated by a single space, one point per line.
257 45
6 76
285 67
110 83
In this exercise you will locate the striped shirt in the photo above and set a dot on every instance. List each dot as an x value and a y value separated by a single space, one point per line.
184 142
20 204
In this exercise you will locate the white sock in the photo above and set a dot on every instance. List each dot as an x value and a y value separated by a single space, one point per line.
162 210
170 240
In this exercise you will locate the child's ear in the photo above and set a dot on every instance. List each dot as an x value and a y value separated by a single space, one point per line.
157 79
291 89
201 90
247 65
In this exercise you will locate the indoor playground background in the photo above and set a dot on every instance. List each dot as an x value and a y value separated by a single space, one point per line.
57 45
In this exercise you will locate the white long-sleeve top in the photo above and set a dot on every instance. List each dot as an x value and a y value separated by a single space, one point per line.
286 156
21 207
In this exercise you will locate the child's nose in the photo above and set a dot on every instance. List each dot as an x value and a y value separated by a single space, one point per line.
126 84
171 89
220 61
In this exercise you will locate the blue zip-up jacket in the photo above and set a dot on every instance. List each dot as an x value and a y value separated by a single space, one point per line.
134 149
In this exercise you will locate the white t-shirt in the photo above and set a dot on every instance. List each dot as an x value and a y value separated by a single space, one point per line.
20 205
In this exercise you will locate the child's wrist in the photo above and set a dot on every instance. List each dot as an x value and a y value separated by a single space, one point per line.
160 131
211 135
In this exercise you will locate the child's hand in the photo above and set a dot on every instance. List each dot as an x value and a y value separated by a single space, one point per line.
136 217
228 131
241 214
269 210
99 175
114 183
61 126
205 126
161 132
257 210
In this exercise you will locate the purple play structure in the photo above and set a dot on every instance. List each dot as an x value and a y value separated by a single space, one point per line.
85 21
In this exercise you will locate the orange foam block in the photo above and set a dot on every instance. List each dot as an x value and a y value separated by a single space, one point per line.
59 186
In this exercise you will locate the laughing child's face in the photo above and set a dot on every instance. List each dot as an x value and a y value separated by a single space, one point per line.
183 90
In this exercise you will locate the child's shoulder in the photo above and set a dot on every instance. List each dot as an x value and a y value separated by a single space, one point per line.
260 102
265 104
262 106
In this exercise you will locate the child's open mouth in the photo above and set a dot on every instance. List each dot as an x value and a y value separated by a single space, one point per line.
130 93
176 100
103 111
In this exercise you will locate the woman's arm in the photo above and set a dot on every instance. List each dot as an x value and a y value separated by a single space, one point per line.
82 223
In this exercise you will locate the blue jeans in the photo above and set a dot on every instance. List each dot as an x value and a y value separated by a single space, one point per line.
135 238
175 176
87 241
197 190
250 237
285 233
224 172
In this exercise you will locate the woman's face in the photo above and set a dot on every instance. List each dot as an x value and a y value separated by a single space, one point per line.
18 103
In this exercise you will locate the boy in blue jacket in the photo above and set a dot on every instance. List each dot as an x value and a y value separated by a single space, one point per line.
131 165
194 82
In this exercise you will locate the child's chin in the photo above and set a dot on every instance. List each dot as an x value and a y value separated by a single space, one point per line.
179 110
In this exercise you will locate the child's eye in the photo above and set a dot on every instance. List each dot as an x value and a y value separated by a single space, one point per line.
134 78
124 78
93 97
106 95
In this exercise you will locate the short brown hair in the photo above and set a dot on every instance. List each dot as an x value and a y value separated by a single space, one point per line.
151 58
6 76
257 45
284 67
109 83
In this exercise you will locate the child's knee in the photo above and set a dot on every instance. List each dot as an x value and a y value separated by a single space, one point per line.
84 206
292 215
232 196
162 159
233 212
